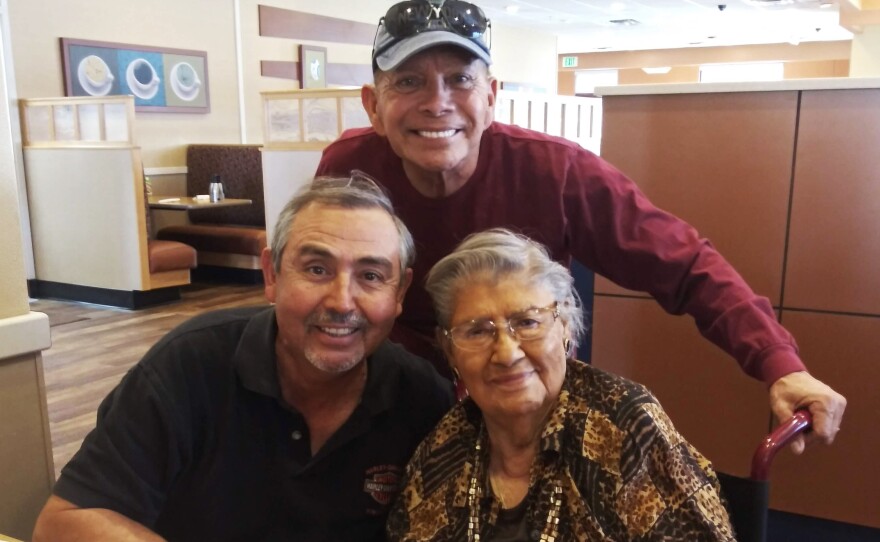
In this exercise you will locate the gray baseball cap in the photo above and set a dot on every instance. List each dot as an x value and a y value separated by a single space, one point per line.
389 52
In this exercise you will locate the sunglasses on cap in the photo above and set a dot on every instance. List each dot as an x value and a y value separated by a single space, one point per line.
412 17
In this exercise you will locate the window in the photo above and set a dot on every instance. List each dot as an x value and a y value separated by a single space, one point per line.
586 81
729 73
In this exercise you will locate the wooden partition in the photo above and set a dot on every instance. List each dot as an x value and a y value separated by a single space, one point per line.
785 183
832 298
88 213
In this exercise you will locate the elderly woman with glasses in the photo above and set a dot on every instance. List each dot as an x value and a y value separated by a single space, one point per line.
545 447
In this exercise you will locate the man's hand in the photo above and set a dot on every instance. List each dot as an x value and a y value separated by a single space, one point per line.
800 390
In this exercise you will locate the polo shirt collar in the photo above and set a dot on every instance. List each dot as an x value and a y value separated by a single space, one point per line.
254 357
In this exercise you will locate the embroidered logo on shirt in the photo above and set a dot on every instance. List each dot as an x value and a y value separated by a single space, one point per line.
382 482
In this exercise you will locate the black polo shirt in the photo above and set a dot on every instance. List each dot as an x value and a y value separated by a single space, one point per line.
196 443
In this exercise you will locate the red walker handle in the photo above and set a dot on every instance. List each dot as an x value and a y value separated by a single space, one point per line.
801 421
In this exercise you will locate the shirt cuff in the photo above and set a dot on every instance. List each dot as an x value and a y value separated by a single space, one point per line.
778 362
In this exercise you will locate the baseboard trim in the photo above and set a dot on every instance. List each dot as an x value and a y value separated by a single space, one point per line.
134 299
211 273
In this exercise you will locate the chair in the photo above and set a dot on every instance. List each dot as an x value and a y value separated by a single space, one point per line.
748 499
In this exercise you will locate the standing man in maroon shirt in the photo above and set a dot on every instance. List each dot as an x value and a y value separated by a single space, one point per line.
452 171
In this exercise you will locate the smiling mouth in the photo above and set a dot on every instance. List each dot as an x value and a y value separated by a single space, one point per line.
338 331
437 134
512 379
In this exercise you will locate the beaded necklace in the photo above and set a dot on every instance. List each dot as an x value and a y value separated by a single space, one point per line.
475 494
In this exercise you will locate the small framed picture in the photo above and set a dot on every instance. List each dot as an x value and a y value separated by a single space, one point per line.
312 66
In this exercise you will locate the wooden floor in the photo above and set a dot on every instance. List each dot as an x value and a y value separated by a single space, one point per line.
94 345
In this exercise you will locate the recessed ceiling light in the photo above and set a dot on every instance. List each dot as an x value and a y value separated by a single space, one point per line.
617 6
658 70
512 9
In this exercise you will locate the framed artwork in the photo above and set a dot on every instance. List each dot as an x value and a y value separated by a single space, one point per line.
312 66
160 79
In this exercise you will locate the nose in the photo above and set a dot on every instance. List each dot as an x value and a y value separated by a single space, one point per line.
506 349
437 97
340 297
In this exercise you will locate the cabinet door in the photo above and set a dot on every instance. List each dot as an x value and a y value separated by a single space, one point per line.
834 250
833 286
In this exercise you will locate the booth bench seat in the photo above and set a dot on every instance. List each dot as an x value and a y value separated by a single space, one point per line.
170 263
220 245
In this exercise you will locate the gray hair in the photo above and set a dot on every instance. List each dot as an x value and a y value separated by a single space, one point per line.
359 191
496 253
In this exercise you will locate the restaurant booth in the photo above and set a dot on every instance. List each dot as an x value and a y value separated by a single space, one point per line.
88 207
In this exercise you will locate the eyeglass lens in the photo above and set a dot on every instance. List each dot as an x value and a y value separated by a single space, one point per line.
528 325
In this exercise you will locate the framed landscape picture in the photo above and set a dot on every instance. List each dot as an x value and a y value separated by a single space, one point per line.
160 79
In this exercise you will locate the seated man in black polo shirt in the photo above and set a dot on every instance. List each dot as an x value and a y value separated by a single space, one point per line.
289 422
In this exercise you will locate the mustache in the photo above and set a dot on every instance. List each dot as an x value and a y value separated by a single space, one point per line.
352 319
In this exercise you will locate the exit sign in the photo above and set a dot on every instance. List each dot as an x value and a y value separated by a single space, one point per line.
569 62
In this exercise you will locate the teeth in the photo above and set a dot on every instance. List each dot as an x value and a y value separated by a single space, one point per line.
437 135
337 331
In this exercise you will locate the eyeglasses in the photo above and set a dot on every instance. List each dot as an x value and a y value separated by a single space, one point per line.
412 17
528 325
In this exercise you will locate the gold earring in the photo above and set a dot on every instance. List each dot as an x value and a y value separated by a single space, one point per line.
566 344
455 373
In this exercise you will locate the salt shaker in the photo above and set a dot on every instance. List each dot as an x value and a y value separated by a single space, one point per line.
215 189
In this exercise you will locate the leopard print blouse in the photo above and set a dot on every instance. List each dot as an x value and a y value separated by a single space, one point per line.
626 474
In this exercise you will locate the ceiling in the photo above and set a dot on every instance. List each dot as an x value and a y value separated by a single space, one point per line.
588 25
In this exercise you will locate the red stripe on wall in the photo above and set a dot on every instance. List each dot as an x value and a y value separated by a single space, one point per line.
286 23
337 74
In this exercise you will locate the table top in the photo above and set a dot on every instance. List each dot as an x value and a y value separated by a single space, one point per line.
183 203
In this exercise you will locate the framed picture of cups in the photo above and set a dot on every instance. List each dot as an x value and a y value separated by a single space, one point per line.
160 79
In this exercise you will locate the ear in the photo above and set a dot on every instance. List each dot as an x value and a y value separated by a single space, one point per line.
401 291
568 339
370 101
269 277
493 95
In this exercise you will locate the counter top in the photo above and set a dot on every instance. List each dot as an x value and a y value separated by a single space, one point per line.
24 334
837 83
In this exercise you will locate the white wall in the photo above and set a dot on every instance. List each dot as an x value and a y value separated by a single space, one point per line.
864 58
13 288
524 56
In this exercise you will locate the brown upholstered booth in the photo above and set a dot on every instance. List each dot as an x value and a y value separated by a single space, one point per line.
229 240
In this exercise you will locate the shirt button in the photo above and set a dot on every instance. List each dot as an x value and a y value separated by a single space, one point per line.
296 435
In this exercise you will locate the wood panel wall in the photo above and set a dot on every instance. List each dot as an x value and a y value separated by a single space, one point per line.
786 185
